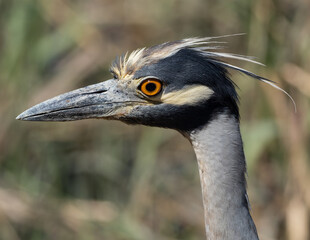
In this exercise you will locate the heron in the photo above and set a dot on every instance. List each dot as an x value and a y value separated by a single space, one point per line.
183 85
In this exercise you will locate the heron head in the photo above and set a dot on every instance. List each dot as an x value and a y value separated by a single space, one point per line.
179 85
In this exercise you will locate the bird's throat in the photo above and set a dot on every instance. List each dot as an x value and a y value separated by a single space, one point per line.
219 151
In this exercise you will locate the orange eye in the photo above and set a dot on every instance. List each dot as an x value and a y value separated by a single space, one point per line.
151 87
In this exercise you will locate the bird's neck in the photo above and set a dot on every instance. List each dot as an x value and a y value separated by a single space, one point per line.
219 150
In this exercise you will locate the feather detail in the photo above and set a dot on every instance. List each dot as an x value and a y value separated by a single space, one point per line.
125 66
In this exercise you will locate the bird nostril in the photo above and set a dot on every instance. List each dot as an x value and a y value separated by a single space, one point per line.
95 92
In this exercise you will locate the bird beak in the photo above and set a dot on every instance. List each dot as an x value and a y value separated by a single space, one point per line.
103 100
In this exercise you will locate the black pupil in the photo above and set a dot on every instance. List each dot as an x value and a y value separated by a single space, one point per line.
150 87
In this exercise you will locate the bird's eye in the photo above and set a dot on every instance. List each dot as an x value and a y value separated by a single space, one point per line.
151 87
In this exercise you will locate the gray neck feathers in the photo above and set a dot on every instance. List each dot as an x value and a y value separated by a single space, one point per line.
219 150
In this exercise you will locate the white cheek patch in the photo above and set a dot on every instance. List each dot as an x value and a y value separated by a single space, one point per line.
190 95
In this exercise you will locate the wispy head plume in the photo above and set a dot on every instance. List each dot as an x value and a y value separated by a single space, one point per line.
125 66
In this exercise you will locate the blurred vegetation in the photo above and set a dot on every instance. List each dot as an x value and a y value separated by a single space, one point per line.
104 180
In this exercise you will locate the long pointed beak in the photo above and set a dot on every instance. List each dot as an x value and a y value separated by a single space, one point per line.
100 100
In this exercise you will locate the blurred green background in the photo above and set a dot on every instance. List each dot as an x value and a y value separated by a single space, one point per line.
97 179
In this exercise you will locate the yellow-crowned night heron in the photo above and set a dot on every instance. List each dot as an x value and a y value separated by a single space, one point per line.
181 85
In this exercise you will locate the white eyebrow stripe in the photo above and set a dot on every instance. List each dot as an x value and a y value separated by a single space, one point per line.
190 95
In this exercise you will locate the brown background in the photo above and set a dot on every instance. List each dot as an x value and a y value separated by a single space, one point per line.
104 180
